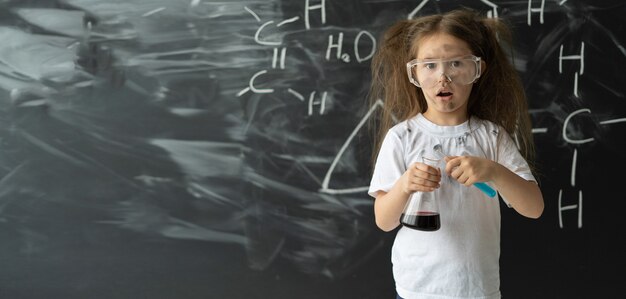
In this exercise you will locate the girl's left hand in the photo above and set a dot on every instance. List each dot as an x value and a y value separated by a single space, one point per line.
468 170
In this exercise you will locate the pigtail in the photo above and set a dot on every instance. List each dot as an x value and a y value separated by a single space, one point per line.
508 106
390 83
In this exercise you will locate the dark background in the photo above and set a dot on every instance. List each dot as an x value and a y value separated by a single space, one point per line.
136 161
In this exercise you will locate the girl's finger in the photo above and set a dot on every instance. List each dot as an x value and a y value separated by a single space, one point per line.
427 168
456 172
452 164
427 176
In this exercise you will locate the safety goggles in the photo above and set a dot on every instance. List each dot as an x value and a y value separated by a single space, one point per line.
427 73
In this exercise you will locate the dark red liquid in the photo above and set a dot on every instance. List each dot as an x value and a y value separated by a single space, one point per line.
426 221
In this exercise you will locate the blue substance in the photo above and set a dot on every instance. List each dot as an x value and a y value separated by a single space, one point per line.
486 188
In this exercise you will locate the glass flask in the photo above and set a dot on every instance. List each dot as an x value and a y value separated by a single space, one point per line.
422 210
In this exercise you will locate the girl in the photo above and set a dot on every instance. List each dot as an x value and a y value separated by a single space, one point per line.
446 80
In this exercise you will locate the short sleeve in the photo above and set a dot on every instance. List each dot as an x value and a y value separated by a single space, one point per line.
389 165
510 157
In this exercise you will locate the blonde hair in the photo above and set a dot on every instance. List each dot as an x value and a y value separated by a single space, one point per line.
498 95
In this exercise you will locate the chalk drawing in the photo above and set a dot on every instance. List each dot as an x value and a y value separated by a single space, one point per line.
532 9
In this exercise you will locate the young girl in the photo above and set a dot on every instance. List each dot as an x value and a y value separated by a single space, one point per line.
446 80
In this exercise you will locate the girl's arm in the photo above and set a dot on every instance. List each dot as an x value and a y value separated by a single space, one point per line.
524 196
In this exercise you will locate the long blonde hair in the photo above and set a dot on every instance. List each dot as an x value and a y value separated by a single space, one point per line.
498 95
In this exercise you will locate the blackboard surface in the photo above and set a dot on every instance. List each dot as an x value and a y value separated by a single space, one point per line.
216 149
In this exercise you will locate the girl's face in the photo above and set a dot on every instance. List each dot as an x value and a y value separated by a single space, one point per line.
447 101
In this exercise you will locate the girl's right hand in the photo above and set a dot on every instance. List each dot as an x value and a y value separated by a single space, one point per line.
420 177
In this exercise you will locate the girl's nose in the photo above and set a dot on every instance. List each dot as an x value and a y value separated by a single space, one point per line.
444 78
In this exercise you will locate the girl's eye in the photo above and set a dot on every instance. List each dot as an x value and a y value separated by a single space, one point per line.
456 63
430 65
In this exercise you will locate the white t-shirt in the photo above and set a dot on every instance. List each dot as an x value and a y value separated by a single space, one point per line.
461 259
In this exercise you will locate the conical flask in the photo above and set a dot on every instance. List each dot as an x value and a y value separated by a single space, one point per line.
422 210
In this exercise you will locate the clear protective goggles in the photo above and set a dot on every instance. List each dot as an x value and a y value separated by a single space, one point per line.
428 72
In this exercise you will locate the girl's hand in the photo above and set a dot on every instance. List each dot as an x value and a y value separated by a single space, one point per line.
420 177
468 170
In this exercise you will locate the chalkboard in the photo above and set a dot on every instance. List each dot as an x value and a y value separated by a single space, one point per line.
219 149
